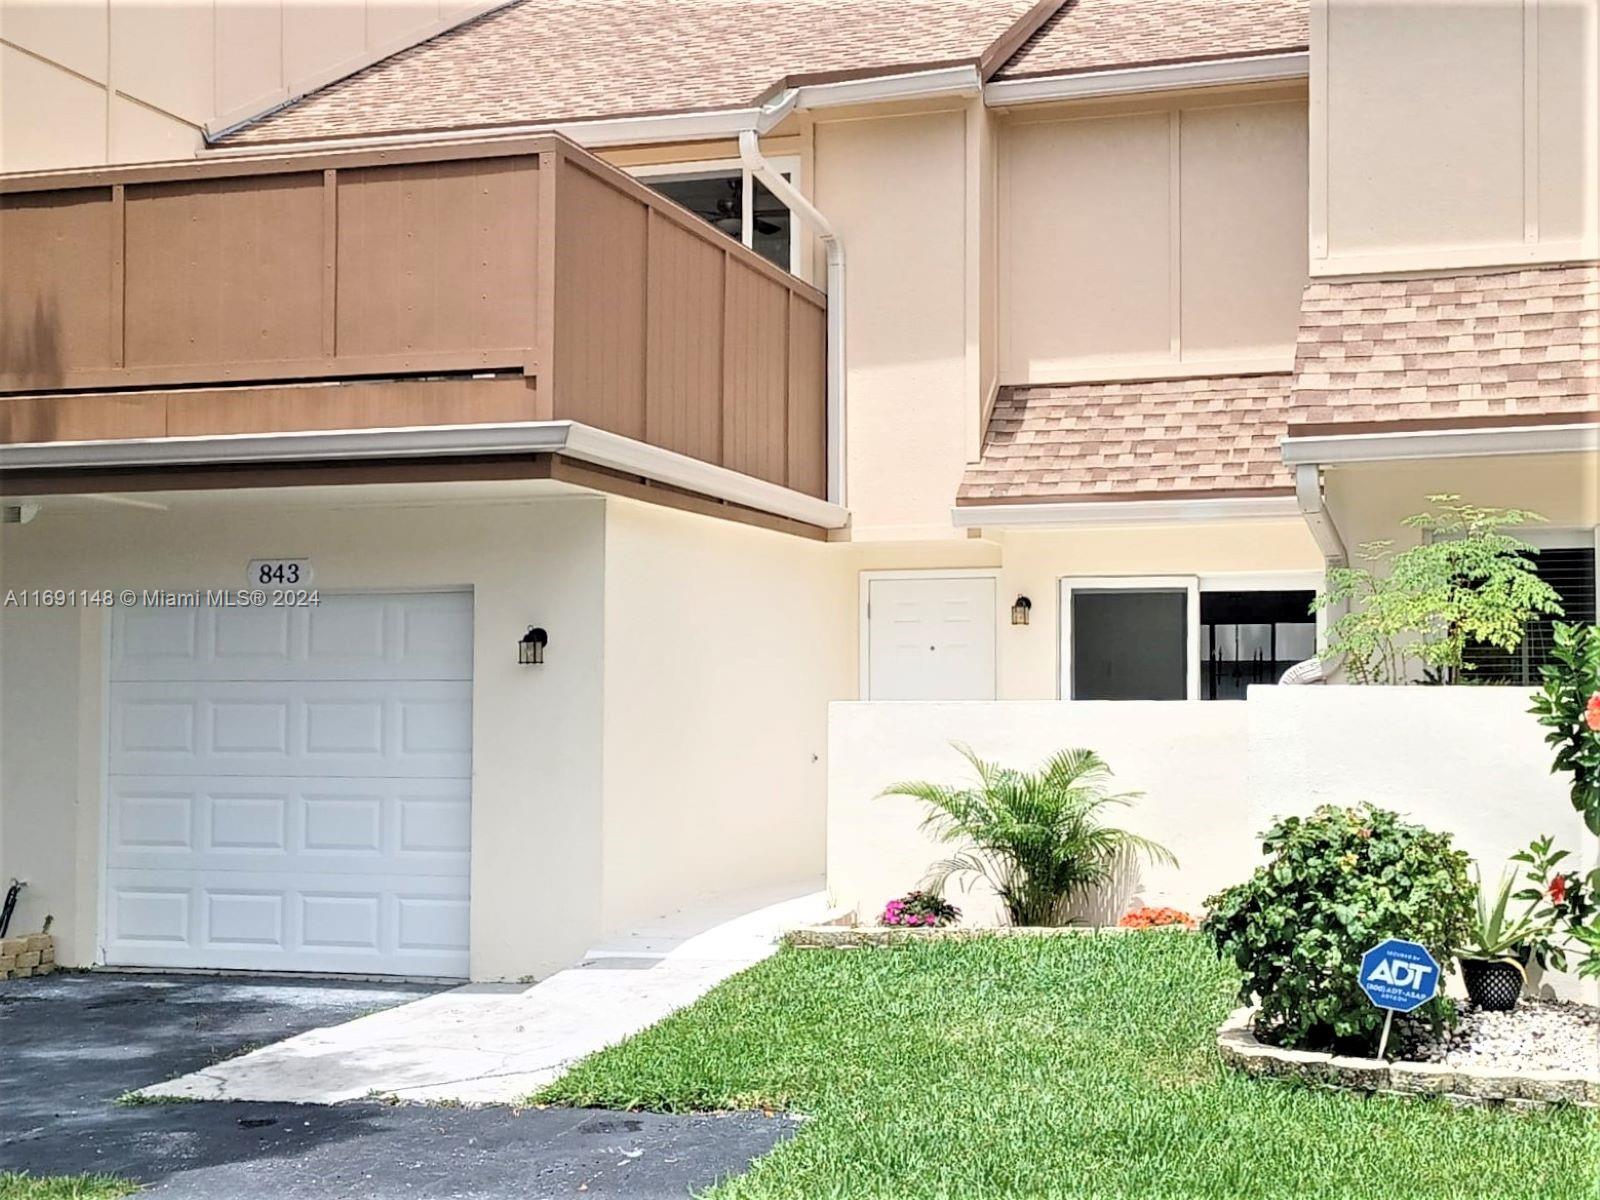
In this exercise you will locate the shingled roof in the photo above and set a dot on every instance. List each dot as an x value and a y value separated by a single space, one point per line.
1098 35
540 61
1483 348
1158 440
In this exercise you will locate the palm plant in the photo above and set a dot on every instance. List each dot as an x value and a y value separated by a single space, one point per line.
1036 836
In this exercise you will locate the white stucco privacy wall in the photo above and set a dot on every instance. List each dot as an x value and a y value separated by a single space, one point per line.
1469 760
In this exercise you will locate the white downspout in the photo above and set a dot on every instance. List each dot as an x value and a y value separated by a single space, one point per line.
1314 508
750 155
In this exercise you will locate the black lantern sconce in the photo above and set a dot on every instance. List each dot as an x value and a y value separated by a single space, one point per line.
1020 610
530 648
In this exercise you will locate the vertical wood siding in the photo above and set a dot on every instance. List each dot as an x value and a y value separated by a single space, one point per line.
622 310
437 256
229 270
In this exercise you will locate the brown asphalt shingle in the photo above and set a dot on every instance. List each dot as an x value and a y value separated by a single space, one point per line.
561 60
1117 441
1483 348
1098 35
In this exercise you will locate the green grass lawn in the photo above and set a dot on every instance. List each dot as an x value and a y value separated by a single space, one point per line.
59 1187
1042 1067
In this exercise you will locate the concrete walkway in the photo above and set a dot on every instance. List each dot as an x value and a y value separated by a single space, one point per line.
496 1043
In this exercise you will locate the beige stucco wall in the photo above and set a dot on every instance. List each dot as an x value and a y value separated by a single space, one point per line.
724 645
96 81
1213 776
1158 236
1369 500
536 837
1454 133
896 189
1033 563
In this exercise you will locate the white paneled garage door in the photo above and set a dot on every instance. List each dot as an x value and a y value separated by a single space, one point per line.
290 789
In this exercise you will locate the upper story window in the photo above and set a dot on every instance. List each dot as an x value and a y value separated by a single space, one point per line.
724 194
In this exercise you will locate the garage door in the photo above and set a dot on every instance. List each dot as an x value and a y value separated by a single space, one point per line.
290 789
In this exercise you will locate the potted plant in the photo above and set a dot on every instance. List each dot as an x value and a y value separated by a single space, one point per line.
1494 957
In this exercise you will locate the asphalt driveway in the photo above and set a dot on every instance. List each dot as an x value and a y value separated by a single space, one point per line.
71 1044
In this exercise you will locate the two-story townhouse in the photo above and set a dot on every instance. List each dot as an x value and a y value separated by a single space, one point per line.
1067 343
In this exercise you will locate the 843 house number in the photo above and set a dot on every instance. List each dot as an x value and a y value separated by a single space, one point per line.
279 572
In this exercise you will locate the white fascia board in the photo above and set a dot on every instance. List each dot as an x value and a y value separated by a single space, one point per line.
1123 512
1261 68
567 438
717 125
1440 443
912 85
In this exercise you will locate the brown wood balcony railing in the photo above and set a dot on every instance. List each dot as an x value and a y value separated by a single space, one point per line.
459 283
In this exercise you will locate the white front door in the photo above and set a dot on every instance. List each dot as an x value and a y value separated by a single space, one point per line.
290 789
930 638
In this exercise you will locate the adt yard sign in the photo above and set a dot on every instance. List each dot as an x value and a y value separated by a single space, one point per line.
1399 975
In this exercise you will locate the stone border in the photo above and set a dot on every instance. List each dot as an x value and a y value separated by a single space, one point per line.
1468 1086
26 955
856 937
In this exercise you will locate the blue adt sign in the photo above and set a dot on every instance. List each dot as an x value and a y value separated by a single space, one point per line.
1399 975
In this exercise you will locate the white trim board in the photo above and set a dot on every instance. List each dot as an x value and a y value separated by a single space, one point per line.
1262 68
1324 450
569 438
1123 512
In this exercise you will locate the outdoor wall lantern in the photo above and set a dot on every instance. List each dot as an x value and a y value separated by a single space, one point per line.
530 649
1020 610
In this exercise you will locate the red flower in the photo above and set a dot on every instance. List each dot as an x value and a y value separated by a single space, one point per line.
1558 889
1591 714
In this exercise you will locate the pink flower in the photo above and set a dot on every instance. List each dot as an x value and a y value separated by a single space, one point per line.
1591 714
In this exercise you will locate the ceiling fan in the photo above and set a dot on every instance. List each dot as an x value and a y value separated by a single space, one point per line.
728 219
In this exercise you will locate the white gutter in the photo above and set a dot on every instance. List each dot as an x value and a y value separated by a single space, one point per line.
874 89
1122 512
750 155
1262 68
567 438
1441 443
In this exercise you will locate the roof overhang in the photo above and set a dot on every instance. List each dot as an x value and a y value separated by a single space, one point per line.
568 439
1331 449
1124 512
1123 81
691 126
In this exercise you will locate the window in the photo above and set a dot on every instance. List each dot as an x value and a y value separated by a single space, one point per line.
1570 570
1182 638
717 195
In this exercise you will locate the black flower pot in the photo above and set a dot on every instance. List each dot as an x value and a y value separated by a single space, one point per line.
1493 984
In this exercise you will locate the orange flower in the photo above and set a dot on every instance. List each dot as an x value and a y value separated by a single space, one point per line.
1150 918
1591 714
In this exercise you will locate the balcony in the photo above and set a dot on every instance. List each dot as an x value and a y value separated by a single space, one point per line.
491 283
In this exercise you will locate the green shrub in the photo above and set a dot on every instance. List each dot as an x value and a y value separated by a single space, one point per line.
1562 704
1336 884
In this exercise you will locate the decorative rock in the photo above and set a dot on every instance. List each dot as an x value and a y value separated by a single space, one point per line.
1488 1083
1362 1074
1468 1084
1421 1079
